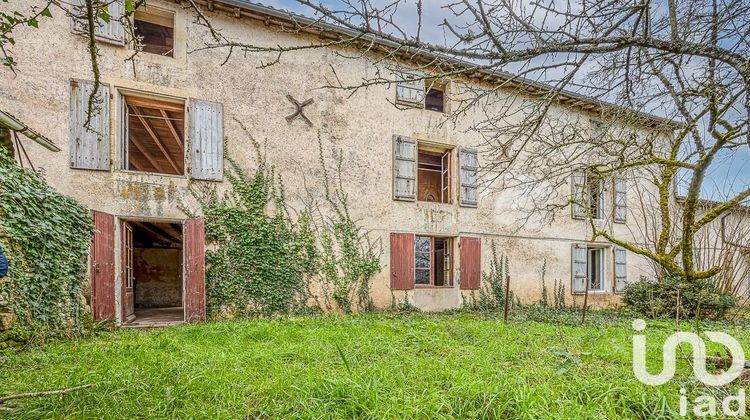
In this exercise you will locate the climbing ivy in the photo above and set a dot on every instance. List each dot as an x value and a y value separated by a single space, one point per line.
257 256
261 260
348 258
46 237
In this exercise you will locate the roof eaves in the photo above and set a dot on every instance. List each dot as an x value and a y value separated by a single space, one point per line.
571 98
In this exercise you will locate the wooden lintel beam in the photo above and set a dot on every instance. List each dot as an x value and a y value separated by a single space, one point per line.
154 137
145 154
155 233
149 103
176 136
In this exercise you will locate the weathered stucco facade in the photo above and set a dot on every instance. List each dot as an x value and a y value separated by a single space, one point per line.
362 126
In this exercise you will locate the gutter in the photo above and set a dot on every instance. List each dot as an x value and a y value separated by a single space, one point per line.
307 24
12 123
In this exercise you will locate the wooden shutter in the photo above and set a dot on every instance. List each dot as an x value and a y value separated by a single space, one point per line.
206 140
89 148
402 261
578 194
111 31
470 251
408 91
620 199
621 269
469 168
579 268
103 267
194 262
404 168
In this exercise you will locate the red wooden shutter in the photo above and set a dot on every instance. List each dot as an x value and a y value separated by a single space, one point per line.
471 262
402 261
195 268
103 267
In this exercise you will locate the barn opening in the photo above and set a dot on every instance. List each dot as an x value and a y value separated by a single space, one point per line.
153 265
433 174
153 135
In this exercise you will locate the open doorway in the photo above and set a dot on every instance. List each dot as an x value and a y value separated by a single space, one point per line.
152 272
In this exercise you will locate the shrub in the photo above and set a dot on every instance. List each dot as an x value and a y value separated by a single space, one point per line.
700 298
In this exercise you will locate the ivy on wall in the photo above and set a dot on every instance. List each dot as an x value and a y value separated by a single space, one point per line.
261 260
256 257
46 237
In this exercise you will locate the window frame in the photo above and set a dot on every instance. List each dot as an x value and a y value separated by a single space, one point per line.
448 245
122 124
157 11
601 202
447 155
602 270
439 86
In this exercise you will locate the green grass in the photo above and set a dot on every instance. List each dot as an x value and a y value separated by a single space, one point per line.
365 366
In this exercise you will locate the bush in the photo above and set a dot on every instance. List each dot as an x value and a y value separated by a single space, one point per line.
700 298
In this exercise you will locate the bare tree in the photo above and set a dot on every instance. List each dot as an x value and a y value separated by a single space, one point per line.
686 61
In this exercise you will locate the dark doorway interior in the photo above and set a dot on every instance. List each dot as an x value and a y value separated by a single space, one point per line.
157 272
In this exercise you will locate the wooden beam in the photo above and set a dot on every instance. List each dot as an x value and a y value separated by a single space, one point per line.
145 154
153 135
150 103
176 136
154 233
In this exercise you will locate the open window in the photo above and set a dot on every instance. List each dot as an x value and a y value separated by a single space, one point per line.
590 268
414 90
153 135
155 30
433 261
435 96
595 195
434 174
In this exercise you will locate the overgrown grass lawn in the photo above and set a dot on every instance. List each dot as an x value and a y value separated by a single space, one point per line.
372 366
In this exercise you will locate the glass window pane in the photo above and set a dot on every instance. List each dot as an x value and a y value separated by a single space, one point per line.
422 276
422 260
422 244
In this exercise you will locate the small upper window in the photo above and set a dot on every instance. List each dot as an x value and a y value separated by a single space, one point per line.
155 31
435 95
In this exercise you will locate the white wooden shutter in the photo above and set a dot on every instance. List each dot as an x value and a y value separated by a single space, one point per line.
620 199
89 147
579 268
621 269
409 91
112 31
206 140
578 194
404 168
469 167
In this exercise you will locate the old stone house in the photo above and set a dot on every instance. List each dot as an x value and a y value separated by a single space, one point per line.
171 115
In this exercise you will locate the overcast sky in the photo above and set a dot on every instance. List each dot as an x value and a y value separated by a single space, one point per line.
730 173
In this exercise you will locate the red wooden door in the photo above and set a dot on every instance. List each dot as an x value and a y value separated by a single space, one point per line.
103 267
402 261
194 263
128 280
470 250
